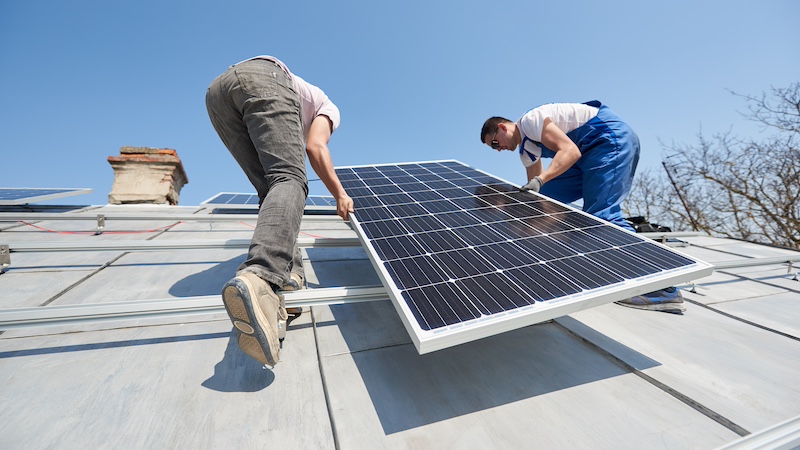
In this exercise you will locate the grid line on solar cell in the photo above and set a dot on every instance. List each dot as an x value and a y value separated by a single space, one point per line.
459 244
462 264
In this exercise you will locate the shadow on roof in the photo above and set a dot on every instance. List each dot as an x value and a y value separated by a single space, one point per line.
209 281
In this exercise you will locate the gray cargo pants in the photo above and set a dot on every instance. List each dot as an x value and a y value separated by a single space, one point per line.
256 113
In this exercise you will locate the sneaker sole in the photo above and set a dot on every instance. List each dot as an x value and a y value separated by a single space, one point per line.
260 341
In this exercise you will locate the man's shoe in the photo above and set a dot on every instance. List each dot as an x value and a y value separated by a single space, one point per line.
254 309
295 283
667 300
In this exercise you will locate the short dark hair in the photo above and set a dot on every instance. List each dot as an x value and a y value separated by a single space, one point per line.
490 125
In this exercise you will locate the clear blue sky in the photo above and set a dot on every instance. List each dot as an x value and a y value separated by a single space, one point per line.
414 80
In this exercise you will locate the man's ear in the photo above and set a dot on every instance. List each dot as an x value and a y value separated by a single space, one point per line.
503 126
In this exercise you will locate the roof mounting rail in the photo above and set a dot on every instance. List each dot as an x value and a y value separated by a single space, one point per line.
163 245
159 308
13 217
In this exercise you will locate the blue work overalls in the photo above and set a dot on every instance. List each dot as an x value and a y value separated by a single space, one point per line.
604 173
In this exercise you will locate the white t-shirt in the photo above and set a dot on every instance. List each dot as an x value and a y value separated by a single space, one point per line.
313 102
566 116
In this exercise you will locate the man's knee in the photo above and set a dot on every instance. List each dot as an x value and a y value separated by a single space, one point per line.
288 181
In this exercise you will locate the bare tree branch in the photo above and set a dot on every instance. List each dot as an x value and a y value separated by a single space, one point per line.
732 187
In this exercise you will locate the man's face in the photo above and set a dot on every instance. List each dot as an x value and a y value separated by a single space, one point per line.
501 139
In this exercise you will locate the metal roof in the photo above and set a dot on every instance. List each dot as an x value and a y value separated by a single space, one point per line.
117 344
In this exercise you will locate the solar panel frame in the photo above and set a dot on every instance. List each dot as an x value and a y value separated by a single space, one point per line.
23 196
476 276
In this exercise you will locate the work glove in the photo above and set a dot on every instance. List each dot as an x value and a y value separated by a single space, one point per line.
534 185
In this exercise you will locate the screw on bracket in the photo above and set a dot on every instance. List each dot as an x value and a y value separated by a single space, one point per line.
101 224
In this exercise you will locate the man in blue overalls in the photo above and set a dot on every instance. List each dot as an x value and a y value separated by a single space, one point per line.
594 156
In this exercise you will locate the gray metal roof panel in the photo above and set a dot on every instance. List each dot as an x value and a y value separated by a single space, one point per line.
608 377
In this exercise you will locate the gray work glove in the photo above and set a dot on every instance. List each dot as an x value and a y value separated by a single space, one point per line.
534 185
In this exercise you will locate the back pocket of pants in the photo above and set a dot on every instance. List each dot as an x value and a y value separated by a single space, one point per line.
258 84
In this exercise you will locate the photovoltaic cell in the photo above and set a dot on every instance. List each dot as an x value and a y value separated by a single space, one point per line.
465 255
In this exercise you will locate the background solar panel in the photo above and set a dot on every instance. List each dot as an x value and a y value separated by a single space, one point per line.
232 199
466 255
314 203
21 196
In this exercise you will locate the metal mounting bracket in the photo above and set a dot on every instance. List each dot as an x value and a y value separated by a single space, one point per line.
5 257
101 224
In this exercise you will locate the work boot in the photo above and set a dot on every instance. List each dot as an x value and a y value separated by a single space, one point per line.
295 283
666 300
255 309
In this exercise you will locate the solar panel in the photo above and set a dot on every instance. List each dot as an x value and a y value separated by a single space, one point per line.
22 196
314 203
233 199
466 255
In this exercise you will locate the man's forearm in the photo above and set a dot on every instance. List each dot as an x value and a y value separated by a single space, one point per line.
562 161
321 162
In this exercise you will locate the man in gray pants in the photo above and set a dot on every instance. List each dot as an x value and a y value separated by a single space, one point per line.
266 116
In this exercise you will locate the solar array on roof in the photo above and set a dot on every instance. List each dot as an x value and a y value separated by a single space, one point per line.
21 196
466 255
320 200
314 203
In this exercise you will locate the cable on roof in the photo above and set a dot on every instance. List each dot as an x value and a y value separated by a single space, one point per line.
165 228
302 232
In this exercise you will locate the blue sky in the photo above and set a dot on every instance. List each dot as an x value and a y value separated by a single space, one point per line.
414 80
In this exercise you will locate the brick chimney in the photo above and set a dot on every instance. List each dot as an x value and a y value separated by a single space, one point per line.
146 175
